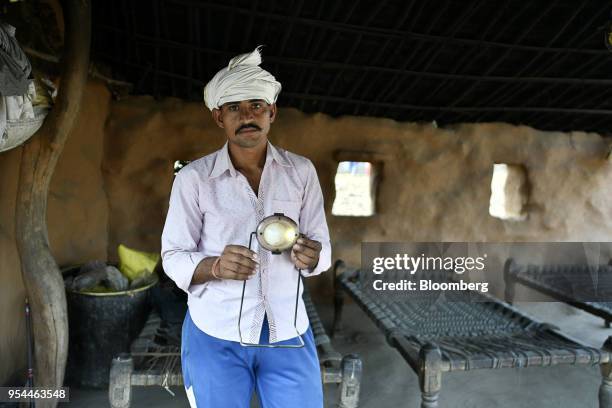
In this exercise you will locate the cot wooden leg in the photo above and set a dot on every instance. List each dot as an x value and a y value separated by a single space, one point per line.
429 400
338 300
351 381
509 281
605 389
120 381
430 375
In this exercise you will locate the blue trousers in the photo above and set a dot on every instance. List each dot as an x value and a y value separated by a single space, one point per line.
223 374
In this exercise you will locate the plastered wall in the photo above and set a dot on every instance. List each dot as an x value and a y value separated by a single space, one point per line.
113 181
435 183
77 219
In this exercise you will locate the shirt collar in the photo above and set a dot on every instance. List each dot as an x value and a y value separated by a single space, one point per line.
276 155
224 163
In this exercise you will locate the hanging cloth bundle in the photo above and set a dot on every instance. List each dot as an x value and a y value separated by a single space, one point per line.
20 118
15 69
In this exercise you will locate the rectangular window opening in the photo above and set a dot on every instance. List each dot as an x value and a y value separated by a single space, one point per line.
355 189
508 192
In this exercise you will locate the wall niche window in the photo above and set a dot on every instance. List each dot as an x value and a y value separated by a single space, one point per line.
355 189
508 192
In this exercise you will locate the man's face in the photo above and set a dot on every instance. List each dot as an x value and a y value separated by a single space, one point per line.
246 123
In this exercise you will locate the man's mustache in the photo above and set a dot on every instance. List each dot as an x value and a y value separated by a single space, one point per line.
247 126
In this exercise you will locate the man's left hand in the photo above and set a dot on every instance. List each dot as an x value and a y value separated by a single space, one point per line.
305 253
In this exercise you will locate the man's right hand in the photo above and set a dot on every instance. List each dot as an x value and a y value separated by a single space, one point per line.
237 262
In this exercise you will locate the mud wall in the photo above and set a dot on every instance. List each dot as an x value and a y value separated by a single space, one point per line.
77 219
114 178
435 183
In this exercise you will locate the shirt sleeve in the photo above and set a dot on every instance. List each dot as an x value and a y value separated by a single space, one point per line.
312 221
181 233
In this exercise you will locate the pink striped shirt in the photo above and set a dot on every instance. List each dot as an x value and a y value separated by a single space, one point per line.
212 205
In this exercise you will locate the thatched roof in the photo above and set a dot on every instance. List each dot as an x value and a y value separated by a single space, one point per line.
541 63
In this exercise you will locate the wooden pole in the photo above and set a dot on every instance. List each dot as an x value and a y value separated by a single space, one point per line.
41 276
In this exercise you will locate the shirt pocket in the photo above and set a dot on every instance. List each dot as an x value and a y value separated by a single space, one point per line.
288 208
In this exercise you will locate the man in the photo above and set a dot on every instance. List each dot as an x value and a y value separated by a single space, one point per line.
216 202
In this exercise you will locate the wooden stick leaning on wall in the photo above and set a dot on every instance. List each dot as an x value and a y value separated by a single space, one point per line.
41 276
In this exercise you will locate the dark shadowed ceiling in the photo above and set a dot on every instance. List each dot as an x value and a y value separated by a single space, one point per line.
541 63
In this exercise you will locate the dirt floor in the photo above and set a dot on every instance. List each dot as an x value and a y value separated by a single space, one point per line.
389 382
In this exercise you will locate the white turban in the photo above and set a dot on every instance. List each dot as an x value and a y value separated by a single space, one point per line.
241 80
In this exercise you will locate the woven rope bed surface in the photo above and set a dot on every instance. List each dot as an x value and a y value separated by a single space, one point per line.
471 329
589 284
